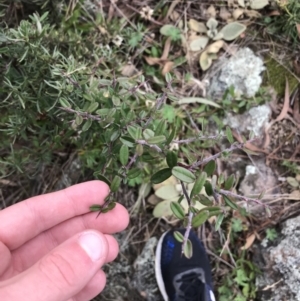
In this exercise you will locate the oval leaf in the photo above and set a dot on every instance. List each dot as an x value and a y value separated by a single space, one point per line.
230 203
204 200
199 44
208 188
156 139
87 125
178 236
167 29
171 159
188 100
232 30
124 154
109 207
133 173
219 221
229 182
177 210
93 106
102 178
172 135
115 184
229 134
162 209
127 141
161 175
200 218
139 149
148 134
205 61
183 174
188 249
167 192
210 167
64 103
199 184
95 207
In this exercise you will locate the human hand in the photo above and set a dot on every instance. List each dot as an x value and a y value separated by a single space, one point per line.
45 242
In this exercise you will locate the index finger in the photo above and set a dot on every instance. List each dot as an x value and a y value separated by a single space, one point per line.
25 220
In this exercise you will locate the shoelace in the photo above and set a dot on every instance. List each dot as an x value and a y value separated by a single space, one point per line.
191 288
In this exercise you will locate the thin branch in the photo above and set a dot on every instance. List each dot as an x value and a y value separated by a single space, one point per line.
189 225
230 149
83 114
241 197
144 142
132 160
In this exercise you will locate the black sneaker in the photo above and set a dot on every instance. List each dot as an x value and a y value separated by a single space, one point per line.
179 278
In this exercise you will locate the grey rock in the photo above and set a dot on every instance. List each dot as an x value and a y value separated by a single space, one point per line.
281 266
253 120
242 71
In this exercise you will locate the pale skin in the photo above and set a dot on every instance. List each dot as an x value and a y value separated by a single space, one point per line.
44 250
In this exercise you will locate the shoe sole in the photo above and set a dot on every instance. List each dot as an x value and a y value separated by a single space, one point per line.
158 272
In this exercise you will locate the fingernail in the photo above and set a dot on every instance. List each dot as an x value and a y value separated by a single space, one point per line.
91 243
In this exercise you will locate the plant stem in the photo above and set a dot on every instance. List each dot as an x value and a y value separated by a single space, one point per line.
190 217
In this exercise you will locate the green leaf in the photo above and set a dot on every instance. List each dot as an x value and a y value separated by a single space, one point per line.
93 106
148 134
171 159
199 184
64 103
133 173
156 139
139 149
168 113
114 135
219 221
188 100
183 174
160 128
103 112
109 207
232 30
213 210
134 131
200 218
161 175
221 179
168 77
204 200
229 182
172 135
188 249
87 125
115 184
78 120
178 236
208 188
210 167
170 31
95 207
177 210
124 154
116 100
230 203
127 141
229 134
99 176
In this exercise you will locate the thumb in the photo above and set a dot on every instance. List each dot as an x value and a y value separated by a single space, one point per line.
62 273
